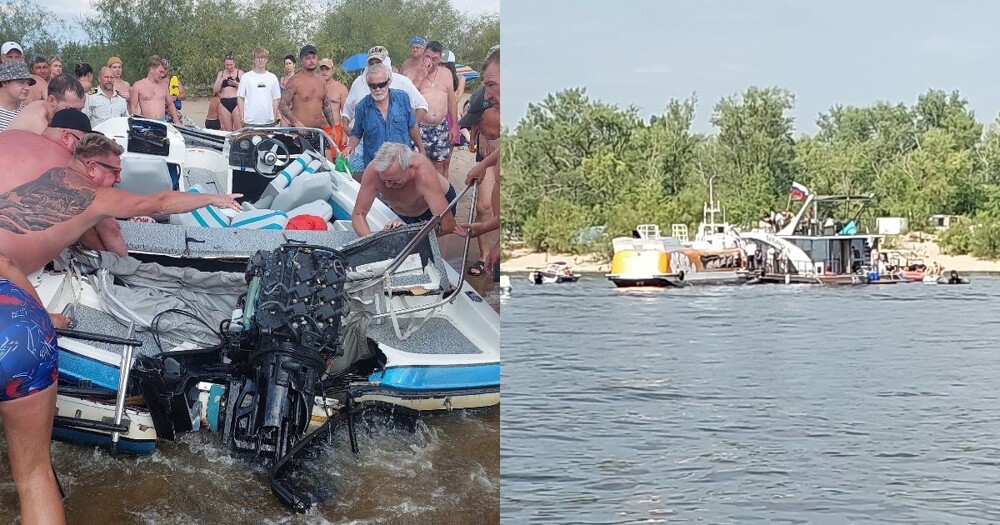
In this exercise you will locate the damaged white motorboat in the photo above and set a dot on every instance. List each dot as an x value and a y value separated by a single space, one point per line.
255 330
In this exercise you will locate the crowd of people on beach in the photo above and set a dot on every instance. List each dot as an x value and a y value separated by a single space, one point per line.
404 122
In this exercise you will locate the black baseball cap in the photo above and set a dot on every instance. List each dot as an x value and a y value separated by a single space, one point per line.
477 105
39 59
306 49
70 118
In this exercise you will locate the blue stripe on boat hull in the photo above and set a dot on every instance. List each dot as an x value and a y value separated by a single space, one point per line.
97 439
74 367
439 378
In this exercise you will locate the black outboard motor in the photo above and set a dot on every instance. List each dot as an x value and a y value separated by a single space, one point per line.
291 318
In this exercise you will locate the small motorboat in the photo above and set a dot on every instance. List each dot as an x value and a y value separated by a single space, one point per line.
953 277
556 273
505 286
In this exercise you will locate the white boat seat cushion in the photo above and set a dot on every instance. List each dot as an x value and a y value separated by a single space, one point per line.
145 175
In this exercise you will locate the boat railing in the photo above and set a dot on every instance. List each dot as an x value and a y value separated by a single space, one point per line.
680 232
428 227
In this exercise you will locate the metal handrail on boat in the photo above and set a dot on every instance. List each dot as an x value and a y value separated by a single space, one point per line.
419 236
422 233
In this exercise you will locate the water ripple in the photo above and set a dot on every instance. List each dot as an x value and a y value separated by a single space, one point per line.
792 404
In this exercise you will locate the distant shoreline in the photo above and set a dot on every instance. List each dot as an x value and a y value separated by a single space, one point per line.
923 248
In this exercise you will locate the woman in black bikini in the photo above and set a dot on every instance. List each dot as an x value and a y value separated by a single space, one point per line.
227 82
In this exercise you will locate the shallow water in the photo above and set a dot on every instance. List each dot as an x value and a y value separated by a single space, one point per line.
446 471
760 403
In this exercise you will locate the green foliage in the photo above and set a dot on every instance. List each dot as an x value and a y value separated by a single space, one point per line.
31 25
197 34
957 239
601 165
986 238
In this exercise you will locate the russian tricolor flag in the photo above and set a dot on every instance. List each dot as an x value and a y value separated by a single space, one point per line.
799 191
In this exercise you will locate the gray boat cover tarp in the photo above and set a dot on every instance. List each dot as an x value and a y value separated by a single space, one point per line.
137 291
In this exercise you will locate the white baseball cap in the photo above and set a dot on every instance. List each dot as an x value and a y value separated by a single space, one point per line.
7 46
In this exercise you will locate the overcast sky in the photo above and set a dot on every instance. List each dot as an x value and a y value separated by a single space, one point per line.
850 52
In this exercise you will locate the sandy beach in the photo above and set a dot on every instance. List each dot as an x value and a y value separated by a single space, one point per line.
913 247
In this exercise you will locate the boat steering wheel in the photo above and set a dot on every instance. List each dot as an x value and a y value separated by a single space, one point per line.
270 161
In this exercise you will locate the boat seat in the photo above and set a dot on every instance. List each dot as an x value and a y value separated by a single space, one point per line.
145 175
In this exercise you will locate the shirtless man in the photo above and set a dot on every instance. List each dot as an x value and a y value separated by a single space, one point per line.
42 217
483 120
150 96
336 93
437 86
409 185
123 88
304 102
64 92
413 67
491 79
28 395
53 148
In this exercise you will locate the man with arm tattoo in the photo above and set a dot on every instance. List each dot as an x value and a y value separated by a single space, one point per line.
304 102
40 218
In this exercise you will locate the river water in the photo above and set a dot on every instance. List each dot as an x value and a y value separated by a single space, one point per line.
775 403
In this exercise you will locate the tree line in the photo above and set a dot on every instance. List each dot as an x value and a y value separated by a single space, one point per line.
196 34
573 163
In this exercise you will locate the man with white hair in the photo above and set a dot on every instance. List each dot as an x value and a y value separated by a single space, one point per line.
383 116
409 185
359 89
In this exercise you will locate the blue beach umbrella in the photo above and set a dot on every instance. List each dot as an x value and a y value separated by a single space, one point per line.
466 72
355 62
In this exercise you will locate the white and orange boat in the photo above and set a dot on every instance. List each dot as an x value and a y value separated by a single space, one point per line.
647 259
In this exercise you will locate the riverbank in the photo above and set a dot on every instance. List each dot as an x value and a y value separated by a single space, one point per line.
526 260
914 248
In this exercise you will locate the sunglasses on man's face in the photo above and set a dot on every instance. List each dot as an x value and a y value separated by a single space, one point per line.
115 169
324 68
380 85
